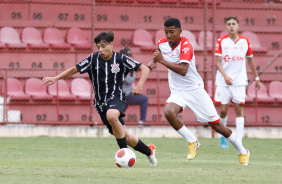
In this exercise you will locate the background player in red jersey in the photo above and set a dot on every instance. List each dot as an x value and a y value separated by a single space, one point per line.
231 77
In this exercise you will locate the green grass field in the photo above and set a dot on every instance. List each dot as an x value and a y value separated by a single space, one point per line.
91 160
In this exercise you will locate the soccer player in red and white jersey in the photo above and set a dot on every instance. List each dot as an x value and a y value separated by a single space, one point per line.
187 89
231 77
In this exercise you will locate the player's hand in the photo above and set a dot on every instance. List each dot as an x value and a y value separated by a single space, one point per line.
228 80
136 91
49 80
257 84
158 57
152 65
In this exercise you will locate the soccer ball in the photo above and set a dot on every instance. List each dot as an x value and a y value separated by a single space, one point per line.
125 157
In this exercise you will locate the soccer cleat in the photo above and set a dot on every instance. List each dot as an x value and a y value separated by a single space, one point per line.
192 149
244 158
223 142
152 158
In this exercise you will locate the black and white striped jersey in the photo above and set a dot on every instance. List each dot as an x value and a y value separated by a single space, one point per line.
107 76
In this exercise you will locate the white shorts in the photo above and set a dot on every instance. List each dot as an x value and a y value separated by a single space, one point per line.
199 102
237 94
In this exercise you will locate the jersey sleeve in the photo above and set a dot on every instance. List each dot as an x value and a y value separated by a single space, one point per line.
186 53
130 64
250 50
218 50
84 65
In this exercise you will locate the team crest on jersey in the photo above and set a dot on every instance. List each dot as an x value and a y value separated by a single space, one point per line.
115 68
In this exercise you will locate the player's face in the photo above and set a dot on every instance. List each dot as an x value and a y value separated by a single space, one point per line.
105 49
173 35
232 27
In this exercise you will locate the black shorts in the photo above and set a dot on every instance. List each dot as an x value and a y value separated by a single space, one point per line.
114 103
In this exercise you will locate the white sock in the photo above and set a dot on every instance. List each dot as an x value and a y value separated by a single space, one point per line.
224 121
187 134
240 121
237 145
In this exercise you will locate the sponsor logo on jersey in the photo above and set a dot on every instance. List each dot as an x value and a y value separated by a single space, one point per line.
226 58
131 63
83 62
115 68
185 50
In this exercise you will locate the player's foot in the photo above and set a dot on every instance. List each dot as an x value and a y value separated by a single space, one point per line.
152 158
192 149
244 158
223 142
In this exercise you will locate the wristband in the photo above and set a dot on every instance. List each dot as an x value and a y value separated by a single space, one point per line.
256 78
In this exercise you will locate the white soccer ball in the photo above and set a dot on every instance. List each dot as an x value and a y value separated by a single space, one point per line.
125 157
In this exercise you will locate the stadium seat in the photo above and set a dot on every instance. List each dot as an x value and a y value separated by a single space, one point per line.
124 1
36 90
223 33
158 35
63 93
81 88
146 1
11 38
168 1
275 89
255 43
201 39
55 38
33 38
192 39
210 1
15 90
189 1
143 39
77 38
262 95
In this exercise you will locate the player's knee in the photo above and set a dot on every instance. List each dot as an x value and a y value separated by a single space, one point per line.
113 119
169 114
223 114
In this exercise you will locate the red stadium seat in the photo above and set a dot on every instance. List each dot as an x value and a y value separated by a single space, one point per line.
124 1
63 93
168 1
275 88
223 33
55 38
77 38
36 90
33 38
146 1
15 90
143 39
262 95
159 34
192 39
81 88
211 1
11 38
189 1
255 43
201 39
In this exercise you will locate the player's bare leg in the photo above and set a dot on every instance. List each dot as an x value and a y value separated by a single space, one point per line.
243 153
113 118
171 113
240 121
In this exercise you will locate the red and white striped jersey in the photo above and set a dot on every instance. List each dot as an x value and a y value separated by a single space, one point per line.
182 53
233 59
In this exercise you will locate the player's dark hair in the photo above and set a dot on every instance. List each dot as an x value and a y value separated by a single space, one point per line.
106 37
126 51
229 18
172 22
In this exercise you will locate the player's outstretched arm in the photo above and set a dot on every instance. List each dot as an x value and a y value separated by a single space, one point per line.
67 73
143 77
152 64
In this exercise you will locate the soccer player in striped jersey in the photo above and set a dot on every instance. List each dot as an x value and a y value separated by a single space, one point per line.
231 77
107 70
187 89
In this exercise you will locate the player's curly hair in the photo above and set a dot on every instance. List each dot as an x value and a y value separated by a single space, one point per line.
234 18
106 37
172 22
